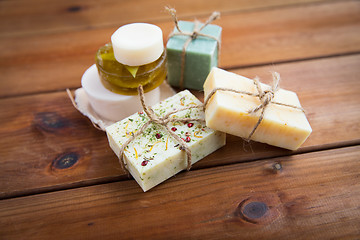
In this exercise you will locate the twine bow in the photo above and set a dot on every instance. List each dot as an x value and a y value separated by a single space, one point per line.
192 36
266 97
154 118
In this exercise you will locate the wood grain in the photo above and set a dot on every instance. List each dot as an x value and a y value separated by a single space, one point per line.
55 61
59 179
24 17
46 144
45 128
314 196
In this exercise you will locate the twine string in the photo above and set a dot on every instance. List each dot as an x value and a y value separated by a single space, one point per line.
266 97
163 121
192 36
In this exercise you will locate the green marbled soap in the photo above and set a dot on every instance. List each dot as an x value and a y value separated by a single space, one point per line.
201 56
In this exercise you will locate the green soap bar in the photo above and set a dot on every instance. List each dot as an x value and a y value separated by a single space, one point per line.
201 55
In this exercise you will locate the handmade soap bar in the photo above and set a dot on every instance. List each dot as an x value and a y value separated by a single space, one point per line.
137 44
154 155
226 111
109 105
201 55
134 57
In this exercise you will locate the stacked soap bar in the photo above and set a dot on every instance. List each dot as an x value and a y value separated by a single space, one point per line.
154 155
109 105
135 57
137 44
201 55
226 111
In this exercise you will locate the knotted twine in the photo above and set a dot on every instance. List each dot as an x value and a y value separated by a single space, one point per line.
192 36
266 97
163 121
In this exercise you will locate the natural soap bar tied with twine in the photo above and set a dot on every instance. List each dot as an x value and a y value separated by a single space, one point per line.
192 50
162 140
254 111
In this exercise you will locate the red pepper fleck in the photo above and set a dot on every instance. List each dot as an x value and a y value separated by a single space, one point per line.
144 163
187 139
174 129
203 129
183 139
141 113
190 125
158 135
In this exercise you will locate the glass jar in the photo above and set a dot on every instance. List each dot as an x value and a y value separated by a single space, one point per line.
117 78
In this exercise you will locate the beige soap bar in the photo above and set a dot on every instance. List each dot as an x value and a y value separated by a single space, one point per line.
229 112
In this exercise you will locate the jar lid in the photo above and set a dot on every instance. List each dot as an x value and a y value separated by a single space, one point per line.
137 44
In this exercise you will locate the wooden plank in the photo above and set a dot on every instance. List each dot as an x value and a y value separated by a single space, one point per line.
314 196
37 132
47 143
24 17
56 61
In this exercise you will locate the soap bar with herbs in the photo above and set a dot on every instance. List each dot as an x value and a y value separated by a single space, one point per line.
226 111
201 55
154 155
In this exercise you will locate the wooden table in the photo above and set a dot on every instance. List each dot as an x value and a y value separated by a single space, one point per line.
59 179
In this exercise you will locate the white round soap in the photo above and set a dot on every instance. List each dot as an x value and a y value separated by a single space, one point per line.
109 105
137 44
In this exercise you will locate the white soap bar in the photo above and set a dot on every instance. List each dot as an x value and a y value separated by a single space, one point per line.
281 126
154 155
109 105
137 44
